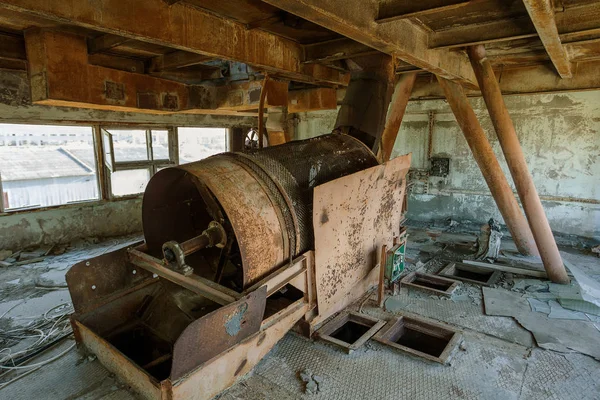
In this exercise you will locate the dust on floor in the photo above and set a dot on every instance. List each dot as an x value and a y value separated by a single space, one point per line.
499 358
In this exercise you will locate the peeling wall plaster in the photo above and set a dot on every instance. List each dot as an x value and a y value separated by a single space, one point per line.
560 135
66 224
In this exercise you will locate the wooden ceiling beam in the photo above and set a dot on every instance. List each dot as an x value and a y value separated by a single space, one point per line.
541 13
494 31
355 19
583 51
105 42
573 24
184 27
393 10
177 59
527 80
337 49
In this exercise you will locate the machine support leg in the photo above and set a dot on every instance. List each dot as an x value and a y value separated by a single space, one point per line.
489 166
395 115
517 165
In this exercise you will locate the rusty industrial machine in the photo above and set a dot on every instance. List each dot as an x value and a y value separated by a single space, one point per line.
238 249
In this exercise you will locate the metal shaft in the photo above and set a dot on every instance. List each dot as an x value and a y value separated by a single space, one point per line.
489 166
513 153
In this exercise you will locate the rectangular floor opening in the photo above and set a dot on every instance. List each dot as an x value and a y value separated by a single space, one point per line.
421 338
443 286
434 283
469 273
423 342
350 332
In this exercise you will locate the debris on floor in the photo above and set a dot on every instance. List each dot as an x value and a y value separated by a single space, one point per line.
312 383
527 313
553 334
489 241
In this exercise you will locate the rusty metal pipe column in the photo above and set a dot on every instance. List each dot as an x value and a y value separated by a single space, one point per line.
489 166
395 114
517 165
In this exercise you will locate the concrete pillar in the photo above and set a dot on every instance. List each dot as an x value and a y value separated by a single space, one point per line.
489 166
395 115
517 165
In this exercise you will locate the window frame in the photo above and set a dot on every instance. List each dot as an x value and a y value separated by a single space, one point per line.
110 166
100 198
102 173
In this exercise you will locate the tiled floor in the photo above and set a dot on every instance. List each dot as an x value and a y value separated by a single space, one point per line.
498 358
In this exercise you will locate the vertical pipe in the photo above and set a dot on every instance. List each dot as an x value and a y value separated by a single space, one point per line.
517 165
395 114
489 166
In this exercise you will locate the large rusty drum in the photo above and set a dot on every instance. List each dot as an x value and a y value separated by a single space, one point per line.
262 198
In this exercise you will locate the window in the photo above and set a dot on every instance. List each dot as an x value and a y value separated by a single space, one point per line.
132 156
198 143
46 165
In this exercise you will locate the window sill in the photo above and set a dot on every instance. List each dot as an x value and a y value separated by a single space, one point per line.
91 203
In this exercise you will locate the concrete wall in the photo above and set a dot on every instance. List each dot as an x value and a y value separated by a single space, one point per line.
67 223
560 135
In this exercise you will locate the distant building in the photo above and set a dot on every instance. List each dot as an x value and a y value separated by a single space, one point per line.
41 176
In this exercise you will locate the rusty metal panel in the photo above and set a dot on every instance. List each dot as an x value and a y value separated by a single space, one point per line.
92 281
353 217
221 372
214 333
113 360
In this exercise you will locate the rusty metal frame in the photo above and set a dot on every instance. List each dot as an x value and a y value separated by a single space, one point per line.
195 283
326 331
410 280
387 336
205 380
282 276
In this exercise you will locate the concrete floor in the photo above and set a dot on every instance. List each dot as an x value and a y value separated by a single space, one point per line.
499 359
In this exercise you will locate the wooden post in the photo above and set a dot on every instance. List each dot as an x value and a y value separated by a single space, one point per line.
395 115
381 287
489 166
513 153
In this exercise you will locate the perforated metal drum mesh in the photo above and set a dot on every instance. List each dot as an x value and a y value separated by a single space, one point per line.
297 167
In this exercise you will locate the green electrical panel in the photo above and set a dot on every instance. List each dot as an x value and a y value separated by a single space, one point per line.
395 262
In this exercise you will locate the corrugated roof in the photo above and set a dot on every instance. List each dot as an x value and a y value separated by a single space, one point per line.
32 162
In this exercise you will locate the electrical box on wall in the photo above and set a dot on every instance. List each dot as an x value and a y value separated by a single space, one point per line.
395 262
395 257
440 166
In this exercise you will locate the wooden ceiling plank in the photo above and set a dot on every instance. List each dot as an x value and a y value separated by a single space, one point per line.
542 16
177 59
105 42
184 27
524 80
495 31
355 19
393 10
583 51
337 49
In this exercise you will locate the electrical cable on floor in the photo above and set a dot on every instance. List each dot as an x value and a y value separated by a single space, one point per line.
40 364
53 326
34 366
